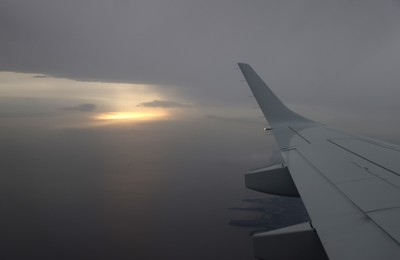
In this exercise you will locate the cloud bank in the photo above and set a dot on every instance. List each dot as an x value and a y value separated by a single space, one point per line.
87 107
162 103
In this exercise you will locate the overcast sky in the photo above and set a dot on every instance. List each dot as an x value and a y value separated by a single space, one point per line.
337 55
148 91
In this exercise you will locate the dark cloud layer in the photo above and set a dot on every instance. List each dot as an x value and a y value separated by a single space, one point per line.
87 107
25 107
162 103
243 120
311 52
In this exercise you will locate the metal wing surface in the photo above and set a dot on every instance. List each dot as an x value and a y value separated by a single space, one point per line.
350 186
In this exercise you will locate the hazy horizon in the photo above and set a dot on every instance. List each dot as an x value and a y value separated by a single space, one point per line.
126 130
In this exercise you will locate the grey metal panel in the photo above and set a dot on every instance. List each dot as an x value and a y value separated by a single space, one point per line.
287 138
333 163
374 170
363 157
364 183
371 194
389 220
317 134
385 157
345 231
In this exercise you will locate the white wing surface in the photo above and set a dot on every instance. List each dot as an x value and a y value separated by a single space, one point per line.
350 187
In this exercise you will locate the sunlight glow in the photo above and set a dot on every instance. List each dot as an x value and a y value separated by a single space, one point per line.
132 115
66 103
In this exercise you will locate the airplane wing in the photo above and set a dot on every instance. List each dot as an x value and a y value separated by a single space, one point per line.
350 187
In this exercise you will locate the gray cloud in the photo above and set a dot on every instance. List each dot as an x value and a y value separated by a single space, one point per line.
243 120
334 54
162 103
39 76
304 49
25 107
81 108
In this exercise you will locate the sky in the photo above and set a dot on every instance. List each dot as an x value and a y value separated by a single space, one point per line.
127 125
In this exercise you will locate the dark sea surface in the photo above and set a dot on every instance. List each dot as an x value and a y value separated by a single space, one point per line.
156 190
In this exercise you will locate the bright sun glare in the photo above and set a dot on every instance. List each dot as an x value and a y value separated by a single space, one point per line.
131 115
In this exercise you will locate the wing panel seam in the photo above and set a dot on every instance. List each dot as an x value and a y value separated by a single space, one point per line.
377 164
345 196
297 133
377 210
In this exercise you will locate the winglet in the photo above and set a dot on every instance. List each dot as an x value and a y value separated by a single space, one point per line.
274 110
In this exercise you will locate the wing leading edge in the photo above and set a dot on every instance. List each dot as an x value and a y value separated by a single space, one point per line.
350 186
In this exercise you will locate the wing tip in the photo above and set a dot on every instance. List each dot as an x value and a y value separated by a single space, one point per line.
273 108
